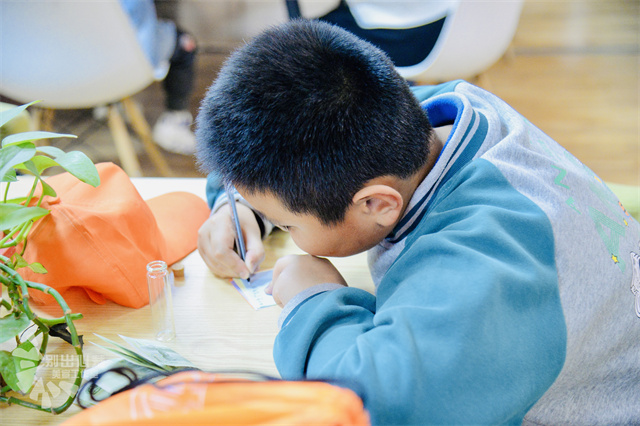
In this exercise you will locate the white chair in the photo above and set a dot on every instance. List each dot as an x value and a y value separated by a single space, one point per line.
448 39
79 54
475 35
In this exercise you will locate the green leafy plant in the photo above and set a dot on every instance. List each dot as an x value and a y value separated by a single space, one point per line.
19 155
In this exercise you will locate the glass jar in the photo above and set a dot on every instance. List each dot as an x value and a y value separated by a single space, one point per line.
160 281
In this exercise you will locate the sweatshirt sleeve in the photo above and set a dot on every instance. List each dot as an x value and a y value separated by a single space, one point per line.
214 188
217 197
467 325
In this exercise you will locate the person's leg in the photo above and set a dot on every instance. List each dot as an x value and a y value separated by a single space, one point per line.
173 129
178 83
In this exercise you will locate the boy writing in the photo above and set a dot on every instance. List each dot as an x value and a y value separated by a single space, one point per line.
502 264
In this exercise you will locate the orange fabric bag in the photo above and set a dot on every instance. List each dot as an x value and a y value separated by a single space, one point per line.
101 239
199 398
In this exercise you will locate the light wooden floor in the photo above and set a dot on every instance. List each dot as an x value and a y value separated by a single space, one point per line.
574 73
573 70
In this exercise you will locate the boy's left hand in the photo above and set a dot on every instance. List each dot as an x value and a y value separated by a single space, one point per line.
295 273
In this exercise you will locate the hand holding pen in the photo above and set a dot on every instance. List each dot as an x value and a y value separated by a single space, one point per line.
236 221
240 245
217 241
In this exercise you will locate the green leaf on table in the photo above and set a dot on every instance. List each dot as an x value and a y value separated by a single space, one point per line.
12 156
130 355
15 214
74 162
10 114
12 325
21 138
158 354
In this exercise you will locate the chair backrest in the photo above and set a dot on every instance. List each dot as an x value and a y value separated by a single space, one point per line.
438 40
474 36
70 54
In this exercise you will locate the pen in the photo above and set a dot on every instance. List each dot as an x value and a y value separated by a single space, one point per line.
236 221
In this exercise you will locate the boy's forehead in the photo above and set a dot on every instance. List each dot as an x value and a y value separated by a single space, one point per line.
271 207
259 196
266 203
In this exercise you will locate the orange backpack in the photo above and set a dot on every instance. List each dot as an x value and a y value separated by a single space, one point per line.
199 398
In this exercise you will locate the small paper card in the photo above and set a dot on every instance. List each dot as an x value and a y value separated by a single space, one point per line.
253 291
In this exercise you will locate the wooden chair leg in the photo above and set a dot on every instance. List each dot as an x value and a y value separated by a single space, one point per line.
142 129
36 119
124 145
42 119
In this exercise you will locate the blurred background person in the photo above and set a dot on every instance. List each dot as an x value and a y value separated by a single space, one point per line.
171 51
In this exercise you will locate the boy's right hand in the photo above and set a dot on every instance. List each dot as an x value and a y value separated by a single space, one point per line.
216 240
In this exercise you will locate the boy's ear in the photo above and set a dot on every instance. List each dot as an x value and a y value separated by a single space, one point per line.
381 203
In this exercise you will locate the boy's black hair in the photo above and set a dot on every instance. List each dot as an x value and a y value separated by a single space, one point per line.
308 112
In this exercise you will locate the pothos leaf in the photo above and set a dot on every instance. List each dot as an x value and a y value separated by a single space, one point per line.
11 156
10 176
10 114
20 138
19 370
14 214
75 162
12 325
7 367
36 267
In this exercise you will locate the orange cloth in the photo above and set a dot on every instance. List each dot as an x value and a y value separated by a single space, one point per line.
101 239
197 398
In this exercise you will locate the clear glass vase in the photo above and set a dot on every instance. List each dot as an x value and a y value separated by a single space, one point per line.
160 281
